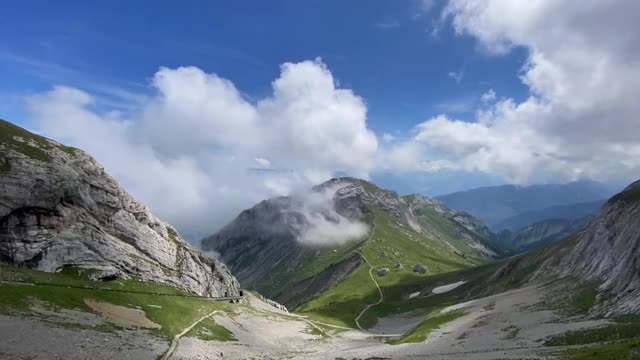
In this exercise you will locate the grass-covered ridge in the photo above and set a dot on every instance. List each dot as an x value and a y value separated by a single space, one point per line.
34 146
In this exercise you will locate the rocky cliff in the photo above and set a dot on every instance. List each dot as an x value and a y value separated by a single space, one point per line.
609 251
58 207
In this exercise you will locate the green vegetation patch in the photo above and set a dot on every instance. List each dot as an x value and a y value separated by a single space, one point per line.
585 298
27 143
209 330
5 166
420 333
626 327
618 350
173 313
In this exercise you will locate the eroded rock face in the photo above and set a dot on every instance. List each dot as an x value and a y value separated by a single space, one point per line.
63 209
609 251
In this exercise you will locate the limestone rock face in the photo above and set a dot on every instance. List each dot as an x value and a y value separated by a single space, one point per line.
609 251
58 207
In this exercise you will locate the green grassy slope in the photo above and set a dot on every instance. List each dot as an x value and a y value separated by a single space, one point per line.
173 313
540 233
392 243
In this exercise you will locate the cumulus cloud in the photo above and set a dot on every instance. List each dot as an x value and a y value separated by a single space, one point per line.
583 72
186 150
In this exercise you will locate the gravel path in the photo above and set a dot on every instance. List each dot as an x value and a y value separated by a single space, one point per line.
176 338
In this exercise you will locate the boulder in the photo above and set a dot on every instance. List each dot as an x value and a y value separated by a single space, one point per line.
420 269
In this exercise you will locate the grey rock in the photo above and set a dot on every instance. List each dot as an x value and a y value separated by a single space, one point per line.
383 272
420 269
63 209
399 267
609 251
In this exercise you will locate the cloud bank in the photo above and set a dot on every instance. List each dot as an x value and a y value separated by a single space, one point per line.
186 152
580 120
197 151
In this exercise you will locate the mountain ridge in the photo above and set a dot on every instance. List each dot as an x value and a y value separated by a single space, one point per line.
497 206
262 245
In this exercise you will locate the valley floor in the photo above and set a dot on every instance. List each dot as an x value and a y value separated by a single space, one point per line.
504 326
511 325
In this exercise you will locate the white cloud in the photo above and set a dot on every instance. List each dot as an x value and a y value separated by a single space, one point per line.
324 225
488 97
186 151
583 71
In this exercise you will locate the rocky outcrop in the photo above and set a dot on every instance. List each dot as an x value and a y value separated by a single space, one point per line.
58 207
609 251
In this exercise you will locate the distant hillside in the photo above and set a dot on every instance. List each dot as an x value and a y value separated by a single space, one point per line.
519 206
541 233
559 212
270 248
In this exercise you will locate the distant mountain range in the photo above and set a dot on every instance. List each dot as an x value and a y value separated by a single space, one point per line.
514 207
571 212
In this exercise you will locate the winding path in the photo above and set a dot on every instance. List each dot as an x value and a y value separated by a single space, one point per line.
371 267
176 338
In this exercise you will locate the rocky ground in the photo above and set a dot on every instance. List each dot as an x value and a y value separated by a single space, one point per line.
27 338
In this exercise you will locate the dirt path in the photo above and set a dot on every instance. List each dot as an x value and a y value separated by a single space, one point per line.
371 267
176 338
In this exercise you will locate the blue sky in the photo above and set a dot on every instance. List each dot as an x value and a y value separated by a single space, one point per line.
179 100
383 50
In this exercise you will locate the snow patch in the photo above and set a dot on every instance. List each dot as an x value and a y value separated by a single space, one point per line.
446 288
